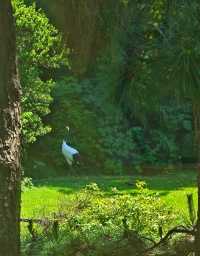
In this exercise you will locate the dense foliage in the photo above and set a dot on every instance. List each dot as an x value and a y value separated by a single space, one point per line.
40 49
108 141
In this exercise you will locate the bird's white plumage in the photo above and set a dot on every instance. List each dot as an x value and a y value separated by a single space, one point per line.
68 152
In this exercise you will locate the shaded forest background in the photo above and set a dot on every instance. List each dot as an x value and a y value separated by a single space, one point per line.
104 87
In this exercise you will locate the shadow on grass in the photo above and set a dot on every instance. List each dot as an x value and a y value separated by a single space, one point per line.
65 192
161 183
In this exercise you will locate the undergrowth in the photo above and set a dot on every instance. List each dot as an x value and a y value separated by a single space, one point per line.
94 224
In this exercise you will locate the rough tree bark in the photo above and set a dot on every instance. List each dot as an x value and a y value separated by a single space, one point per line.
9 136
196 118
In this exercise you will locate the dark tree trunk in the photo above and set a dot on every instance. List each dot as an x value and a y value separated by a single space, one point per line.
196 117
9 136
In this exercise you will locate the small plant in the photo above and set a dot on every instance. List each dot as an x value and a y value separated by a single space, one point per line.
26 183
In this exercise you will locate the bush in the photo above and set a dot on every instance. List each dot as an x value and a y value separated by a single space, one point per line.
130 140
97 224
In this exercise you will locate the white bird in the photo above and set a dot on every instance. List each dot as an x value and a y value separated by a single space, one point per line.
69 152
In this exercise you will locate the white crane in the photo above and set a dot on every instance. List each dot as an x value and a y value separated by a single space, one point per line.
70 153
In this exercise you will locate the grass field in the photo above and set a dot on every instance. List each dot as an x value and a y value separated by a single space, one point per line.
46 195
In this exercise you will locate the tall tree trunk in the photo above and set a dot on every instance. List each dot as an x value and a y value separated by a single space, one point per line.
196 118
9 136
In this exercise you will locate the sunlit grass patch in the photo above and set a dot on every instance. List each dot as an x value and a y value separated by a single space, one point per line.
43 199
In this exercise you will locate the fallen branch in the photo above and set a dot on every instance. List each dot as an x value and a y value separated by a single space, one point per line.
176 230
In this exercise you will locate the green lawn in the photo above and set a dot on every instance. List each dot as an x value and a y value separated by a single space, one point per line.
45 197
